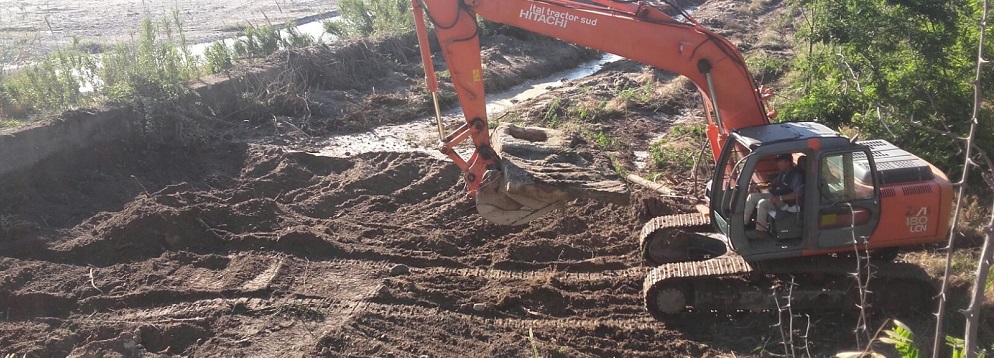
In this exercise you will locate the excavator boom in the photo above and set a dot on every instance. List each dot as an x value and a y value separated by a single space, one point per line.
635 30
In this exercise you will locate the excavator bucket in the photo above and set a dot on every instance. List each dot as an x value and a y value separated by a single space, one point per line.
541 170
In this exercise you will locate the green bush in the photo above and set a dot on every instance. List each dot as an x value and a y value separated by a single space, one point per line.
895 70
371 17
150 74
678 151
903 340
218 57
155 68
54 83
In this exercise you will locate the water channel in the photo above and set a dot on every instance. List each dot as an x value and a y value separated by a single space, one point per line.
422 134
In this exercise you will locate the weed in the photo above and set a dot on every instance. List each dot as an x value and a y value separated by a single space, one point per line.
53 83
9 122
531 338
678 151
257 41
641 94
766 68
552 115
295 39
903 340
590 110
444 75
300 310
151 76
371 17
218 56
601 139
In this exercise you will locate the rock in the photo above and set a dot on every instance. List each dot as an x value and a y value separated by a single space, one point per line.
479 307
399 269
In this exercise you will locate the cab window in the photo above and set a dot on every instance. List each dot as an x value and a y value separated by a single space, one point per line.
839 182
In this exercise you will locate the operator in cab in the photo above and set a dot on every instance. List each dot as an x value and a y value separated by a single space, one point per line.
783 191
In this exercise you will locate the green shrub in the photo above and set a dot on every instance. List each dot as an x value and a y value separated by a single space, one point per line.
258 41
895 70
219 57
157 67
54 83
150 74
679 149
371 17
903 340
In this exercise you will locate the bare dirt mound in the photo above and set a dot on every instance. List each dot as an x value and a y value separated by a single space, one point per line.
294 253
258 249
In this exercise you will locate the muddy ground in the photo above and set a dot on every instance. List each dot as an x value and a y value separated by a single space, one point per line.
253 248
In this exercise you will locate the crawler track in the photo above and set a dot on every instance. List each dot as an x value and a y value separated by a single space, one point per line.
824 283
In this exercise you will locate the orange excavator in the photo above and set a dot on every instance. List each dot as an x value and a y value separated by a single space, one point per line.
867 197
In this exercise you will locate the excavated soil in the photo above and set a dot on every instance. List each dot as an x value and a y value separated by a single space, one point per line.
255 250
248 248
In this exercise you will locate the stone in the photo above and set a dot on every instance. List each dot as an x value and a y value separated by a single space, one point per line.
399 269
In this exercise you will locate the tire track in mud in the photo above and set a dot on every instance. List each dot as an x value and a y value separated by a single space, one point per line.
392 327
300 303
245 266
566 278
184 299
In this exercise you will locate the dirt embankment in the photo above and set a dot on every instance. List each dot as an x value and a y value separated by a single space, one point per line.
248 248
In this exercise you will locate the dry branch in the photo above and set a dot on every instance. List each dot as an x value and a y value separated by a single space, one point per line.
972 312
659 188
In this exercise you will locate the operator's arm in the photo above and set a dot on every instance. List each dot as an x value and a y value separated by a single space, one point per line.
794 182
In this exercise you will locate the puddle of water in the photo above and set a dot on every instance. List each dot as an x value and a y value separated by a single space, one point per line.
314 29
417 136
530 89
641 159
422 135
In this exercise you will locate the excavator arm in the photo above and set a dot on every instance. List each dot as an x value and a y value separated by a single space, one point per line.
635 30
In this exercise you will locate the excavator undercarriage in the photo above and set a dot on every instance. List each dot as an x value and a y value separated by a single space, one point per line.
706 280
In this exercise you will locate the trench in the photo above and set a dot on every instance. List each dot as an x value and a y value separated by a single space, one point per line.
421 135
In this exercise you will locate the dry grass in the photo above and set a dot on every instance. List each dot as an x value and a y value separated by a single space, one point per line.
754 7
974 216
964 264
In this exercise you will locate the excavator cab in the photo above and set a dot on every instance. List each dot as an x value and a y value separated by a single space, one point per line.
839 204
